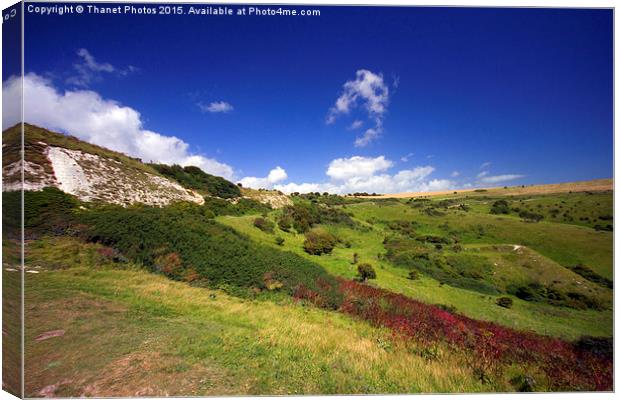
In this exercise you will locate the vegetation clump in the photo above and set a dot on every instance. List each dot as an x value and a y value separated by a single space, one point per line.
505 302
264 224
49 210
304 216
194 178
365 271
529 216
592 276
500 207
177 242
319 241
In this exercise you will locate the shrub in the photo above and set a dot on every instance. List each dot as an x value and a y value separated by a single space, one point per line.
279 241
529 216
285 223
413 275
526 293
355 258
49 210
446 307
218 254
169 264
319 242
524 383
264 224
194 178
366 271
500 207
505 302
602 347
592 276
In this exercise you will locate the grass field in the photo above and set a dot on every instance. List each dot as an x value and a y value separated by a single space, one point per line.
103 323
548 248
129 332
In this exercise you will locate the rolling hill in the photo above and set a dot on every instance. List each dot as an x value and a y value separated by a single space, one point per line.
161 280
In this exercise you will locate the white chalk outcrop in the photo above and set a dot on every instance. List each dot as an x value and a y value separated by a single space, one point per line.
92 177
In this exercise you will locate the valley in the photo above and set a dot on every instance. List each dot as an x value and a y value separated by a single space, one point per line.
256 292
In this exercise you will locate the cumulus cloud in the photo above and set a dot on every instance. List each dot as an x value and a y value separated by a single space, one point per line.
454 174
216 107
88 116
501 178
347 168
88 69
369 91
366 174
276 175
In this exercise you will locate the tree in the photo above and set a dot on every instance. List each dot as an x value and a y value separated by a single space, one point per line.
366 271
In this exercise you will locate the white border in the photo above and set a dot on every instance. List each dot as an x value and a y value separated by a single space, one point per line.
441 3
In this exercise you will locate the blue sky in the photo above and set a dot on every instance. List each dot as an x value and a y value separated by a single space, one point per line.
454 97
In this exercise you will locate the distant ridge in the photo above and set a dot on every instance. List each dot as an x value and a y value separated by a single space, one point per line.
595 185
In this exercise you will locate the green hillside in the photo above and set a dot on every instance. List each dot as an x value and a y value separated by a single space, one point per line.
239 298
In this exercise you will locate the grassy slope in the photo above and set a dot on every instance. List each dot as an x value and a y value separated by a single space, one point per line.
563 244
119 340
11 318
11 138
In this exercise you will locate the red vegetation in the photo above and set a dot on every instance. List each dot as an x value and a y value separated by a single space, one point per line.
487 345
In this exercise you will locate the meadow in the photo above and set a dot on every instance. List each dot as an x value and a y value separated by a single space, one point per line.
459 293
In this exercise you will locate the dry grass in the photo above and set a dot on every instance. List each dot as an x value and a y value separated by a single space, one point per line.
596 185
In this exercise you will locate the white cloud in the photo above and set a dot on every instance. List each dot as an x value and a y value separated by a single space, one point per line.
501 178
370 91
88 69
364 174
396 82
454 174
485 165
356 124
276 175
482 174
406 158
347 168
88 116
369 135
216 107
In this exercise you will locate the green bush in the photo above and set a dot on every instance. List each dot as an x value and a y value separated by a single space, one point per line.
279 241
49 210
264 224
319 242
174 241
285 223
500 207
242 207
413 275
305 215
592 276
505 302
530 216
365 271
194 178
